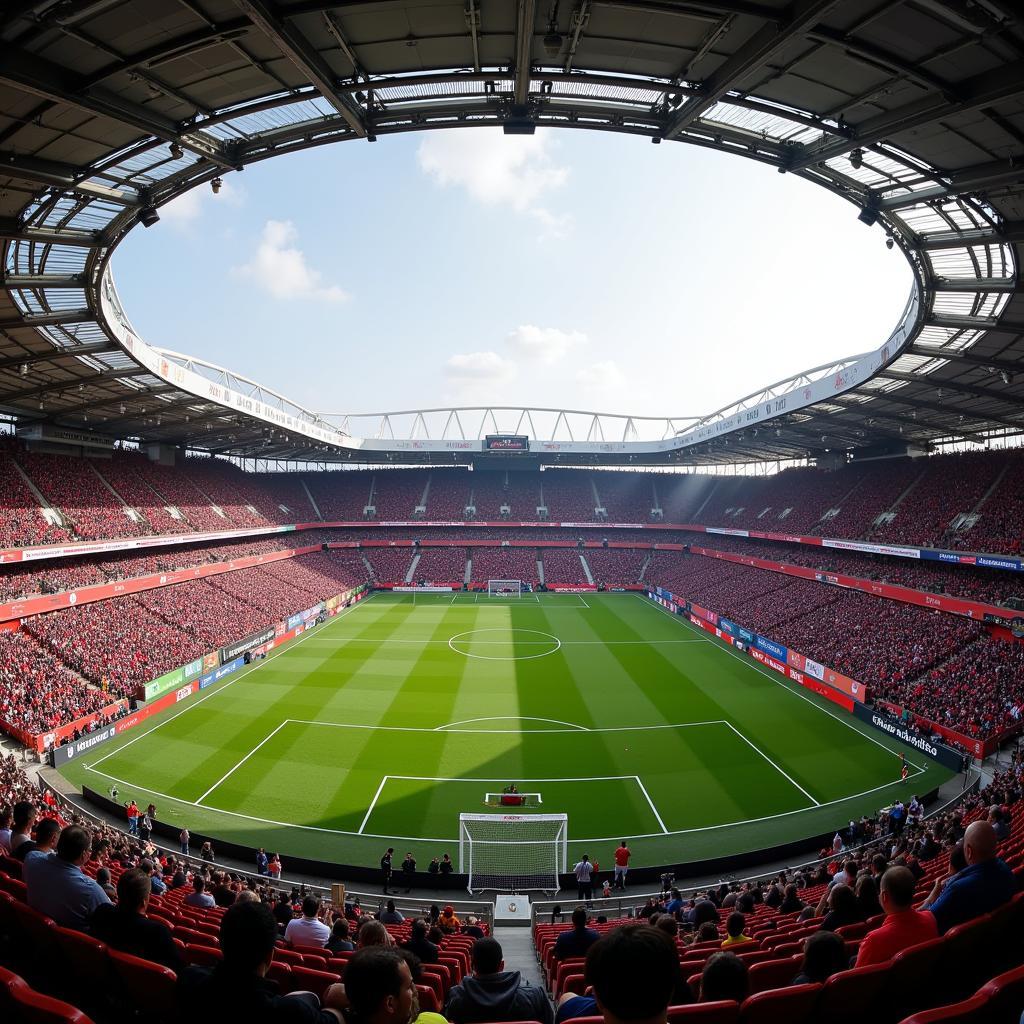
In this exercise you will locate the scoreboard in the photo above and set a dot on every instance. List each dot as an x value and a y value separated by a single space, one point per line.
507 443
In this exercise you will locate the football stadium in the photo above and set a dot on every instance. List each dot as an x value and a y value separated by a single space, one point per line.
584 710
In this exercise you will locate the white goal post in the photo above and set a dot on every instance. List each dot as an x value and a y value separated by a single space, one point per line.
513 852
505 588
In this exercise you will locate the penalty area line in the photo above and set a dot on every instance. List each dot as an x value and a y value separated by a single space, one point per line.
783 773
232 771
373 803
654 810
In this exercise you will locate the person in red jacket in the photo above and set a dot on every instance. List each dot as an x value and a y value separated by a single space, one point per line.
903 926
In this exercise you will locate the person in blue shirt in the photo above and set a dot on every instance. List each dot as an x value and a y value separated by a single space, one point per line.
986 882
57 886
576 942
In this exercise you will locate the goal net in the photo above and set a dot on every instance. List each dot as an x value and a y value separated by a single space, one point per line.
513 852
505 588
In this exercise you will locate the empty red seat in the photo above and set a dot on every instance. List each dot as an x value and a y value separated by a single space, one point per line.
970 1011
84 957
773 974
202 956
305 979
723 1011
21 1003
793 1005
1005 997
850 996
142 983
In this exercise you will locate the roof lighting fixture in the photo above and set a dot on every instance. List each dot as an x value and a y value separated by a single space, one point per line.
176 151
889 241
23 369
1005 377
857 158
216 184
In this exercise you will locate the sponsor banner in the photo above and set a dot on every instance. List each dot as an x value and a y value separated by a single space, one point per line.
854 688
583 588
312 613
777 651
232 651
724 636
727 533
39 742
192 669
766 659
61 755
225 670
895 550
706 626
163 683
798 677
985 561
802 664
726 626
422 590
210 661
745 635
704 613
883 722
293 621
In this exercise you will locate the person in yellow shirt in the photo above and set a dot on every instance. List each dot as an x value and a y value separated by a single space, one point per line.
734 926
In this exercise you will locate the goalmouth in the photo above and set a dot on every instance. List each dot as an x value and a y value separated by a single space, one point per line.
513 852
507 588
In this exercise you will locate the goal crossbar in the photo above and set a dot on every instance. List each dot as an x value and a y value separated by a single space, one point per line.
505 588
513 852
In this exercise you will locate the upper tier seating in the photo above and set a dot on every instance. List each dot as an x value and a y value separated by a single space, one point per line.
504 564
441 565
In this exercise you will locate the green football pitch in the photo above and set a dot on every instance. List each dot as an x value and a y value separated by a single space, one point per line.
392 718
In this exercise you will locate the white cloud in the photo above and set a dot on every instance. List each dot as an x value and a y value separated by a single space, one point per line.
603 378
545 345
282 268
184 211
497 170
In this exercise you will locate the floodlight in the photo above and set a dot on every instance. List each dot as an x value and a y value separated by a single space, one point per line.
868 215
889 241
217 184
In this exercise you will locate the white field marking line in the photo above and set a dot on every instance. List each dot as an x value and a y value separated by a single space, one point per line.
511 718
521 643
433 839
502 732
784 774
227 774
220 689
373 803
647 796
504 778
452 640
779 680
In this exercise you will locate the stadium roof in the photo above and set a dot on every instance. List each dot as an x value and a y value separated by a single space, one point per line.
913 112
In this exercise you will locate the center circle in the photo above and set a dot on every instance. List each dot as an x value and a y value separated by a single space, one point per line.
531 640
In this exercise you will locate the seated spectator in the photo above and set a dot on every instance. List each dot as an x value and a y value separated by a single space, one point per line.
419 945
45 842
339 942
57 886
237 988
448 922
493 994
6 817
707 932
866 892
21 830
224 895
999 825
843 908
283 911
635 976
734 926
903 926
372 933
824 955
472 927
389 915
155 881
724 977
669 925
986 882
307 930
103 881
576 942
126 927
199 897
791 902
380 988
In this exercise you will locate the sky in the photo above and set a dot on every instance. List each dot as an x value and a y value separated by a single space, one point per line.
568 269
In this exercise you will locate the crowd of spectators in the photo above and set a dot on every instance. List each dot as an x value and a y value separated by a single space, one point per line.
561 565
504 564
615 566
441 565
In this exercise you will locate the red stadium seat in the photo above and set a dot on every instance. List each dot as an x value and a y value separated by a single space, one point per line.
144 986
282 974
911 976
202 956
428 1001
84 957
970 1011
305 979
723 1011
850 996
773 974
793 1005
1004 996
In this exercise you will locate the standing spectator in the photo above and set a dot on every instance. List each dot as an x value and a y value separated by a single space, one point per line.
447 867
199 897
126 927
145 828
183 839
577 941
903 926
385 868
57 886
986 882
307 930
622 855
409 870
237 989
584 872
133 818
261 862
206 853
274 867
493 994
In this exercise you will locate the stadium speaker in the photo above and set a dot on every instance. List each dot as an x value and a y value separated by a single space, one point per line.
148 216
868 215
